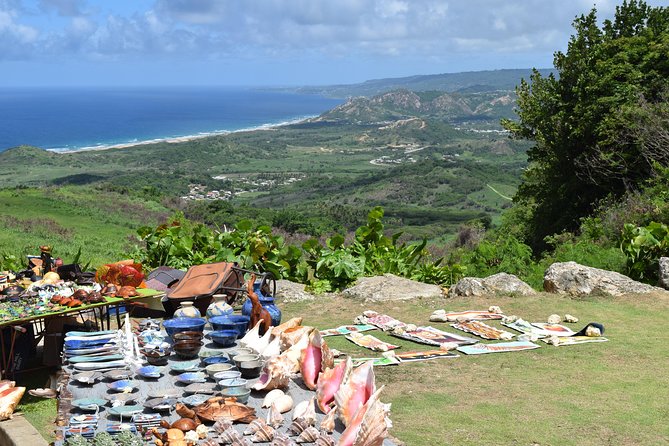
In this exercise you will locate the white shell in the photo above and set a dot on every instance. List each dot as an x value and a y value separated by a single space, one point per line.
272 349
252 335
309 435
274 417
328 422
254 426
283 403
306 410
260 343
271 397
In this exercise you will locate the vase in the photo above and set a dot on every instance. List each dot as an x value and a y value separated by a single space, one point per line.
267 302
186 309
219 307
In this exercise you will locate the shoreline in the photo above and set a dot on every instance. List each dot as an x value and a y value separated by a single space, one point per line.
180 139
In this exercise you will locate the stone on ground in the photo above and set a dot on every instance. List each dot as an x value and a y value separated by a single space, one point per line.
501 283
573 278
390 287
663 273
289 291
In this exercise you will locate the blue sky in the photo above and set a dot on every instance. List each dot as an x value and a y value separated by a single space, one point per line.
275 42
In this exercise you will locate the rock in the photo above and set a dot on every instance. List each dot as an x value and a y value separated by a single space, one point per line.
663 273
289 291
554 319
498 283
570 319
579 280
391 287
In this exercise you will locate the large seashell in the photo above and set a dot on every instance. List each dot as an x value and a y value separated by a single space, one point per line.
369 426
291 323
272 349
276 374
260 343
297 426
271 396
314 358
282 440
283 403
292 336
254 426
221 425
306 410
274 417
324 439
251 336
355 392
328 422
264 434
329 382
309 435
230 436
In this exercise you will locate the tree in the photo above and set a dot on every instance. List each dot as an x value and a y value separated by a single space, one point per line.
582 119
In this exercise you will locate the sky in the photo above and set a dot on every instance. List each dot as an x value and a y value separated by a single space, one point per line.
275 42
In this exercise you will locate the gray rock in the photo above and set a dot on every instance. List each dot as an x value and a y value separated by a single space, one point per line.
579 280
289 291
663 273
501 283
391 287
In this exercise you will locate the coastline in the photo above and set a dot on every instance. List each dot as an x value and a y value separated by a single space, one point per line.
185 138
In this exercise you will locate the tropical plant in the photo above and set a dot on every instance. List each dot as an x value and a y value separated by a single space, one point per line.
643 247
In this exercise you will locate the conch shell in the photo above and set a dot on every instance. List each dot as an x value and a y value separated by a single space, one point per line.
272 349
276 374
231 436
328 422
282 440
291 323
274 417
250 336
254 426
271 396
314 358
369 426
309 435
306 410
355 392
283 403
324 439
292 336
221 425
258 343
329 382
264 434
298 426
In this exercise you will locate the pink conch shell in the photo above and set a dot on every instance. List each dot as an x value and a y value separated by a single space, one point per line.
291 323
355 392
292 336
294 353
329 382
275 375
328 422
314 358
369 426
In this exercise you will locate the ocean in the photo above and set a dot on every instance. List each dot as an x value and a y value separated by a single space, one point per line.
84 118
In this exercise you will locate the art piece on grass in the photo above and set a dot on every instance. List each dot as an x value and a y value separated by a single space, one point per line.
347 329
469 315
424 356
559 341
433 336
554 329
376 362
480 349
370 342
382 321
527 328
483 330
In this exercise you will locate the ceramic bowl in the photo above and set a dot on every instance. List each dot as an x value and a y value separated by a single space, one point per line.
205 388
187 349
192 377
250 369
209 360
88 378
185 366
88 404
236 322
224 338
241 351
241 393
125 411
150 372
164 393
188 336
123 385
230 374
204 354
181 324
244 358
117 374
230 383
195 400
213 369
160 404
121 398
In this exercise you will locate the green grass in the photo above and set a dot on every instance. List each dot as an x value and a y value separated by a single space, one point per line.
590 394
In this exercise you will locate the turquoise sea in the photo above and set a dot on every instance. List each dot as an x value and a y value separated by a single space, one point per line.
76 118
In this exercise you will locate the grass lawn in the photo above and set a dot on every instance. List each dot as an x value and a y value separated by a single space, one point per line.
592 394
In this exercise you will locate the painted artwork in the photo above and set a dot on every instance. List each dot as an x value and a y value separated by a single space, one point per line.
434 336
370 342
527 328
481 349
425 355
382 321
469 315
573 340
554 329
483 330
347 329
378 362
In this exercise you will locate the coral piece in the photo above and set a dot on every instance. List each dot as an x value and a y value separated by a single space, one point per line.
309 435
329 381
355 392
202 431
369 426
191 437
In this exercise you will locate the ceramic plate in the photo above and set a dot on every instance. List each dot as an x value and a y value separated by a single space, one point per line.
125 411
92 358
207 388
90 351
160 404
88 404
195 399
106 365
86 334
81 343
185 366
164 393
150 371
192 377
119 399
123 385
87 377
117 374
84 420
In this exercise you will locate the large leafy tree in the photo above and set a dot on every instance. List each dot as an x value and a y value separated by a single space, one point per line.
584 118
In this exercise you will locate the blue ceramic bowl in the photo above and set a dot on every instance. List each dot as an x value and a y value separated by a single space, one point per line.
210 360
192 377
231 322
224 338
150 372
179 324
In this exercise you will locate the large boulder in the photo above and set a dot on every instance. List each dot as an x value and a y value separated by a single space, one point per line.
289 291
500 283
663 273
391 287
580 280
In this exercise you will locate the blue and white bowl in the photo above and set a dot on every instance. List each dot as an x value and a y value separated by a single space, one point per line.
150 372
124 385
192 377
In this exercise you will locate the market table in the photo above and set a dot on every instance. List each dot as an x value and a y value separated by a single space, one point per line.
41 321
